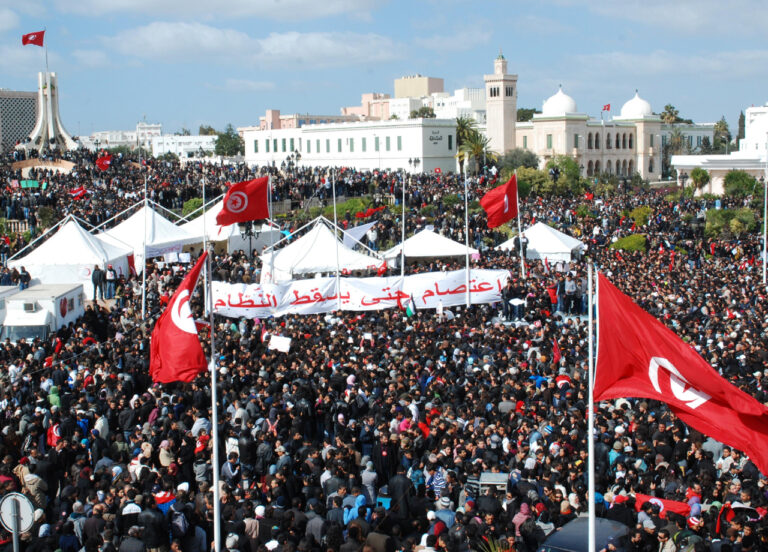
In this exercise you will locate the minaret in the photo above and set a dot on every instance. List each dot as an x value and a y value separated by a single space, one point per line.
49 132
501 106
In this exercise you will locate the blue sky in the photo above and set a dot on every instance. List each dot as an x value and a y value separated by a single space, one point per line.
192 62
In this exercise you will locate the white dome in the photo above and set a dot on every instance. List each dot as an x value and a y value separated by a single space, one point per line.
558 105
636 108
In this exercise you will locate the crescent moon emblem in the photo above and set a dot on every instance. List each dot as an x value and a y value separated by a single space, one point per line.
181 316
237 202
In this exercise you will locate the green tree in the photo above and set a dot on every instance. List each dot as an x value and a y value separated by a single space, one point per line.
526 113
394 117
229 143
699 178
532 180
738 183
742 126
466 129
670 115
183 132
569 180
207 130
722 133
706 146
192 205
476 148
519 157
424 112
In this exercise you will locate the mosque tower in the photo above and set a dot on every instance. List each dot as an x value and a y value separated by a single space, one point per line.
501 106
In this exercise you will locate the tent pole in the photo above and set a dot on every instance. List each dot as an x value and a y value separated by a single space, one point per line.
121 213
336 241
591 414
51 229
402 241
144 259
466 236
374 253
205 271
211 202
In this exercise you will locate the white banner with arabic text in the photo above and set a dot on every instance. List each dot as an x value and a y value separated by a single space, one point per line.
318 295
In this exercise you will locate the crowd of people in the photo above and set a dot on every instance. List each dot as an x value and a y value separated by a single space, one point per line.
369 434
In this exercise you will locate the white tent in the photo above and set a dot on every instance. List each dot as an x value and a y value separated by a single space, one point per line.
428 244
162 236
314 252
69 255
205 225
546 242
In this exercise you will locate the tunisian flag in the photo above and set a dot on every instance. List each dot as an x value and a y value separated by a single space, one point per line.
104 162
33 38
637 356
245 201
500 204
682 508
175 351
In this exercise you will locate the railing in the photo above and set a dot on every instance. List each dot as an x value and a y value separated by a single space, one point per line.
16 226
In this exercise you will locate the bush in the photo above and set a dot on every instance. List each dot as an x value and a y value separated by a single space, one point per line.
727 222
192 205
353 205
641 215
45 216
451 199
635 242
583 211
738 184
428 211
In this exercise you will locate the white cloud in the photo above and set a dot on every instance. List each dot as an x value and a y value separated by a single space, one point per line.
326 49
463 39
24 60
179 41
638 67
91 58
8 19
270 9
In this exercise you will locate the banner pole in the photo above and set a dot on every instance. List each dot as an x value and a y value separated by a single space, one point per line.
591 414
144 244
466 236
402 241
519 227
206 308
336 239
214 426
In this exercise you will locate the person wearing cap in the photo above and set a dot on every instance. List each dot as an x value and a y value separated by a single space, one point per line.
444 512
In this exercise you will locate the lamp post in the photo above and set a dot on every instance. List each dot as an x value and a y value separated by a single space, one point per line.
416 163
250 230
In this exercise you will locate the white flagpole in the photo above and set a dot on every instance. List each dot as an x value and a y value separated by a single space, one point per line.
206 306
519 226
144 244
402 242
271 235
591 415
466 238
765 216
214 427
336 239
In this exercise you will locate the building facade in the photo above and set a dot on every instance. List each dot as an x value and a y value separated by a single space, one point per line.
417 86
413 145
751 157
273 120
183 146
143 135
18 113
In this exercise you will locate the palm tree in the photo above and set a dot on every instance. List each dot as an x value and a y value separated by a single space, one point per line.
465 128
670 114
476 147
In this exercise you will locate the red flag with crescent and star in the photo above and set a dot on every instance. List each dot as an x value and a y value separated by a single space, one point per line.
500 204
248 200
104 162
638 356
175 350
33 38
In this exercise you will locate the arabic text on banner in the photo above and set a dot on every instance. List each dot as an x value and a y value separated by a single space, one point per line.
319 295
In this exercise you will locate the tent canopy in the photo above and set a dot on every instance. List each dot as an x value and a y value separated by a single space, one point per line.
206 224
429 244
162 236
314 252
69 255
547 242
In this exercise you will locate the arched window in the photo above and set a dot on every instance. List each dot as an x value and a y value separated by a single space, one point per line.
631 167
608 168
608 141
589 141
630 141
597 141
650 166
624 141
597 167
624 168
618 140
590 167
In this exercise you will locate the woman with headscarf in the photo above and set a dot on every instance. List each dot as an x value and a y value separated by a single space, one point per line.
521 516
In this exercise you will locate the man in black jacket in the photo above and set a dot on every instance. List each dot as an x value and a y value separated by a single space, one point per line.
155 527
98 279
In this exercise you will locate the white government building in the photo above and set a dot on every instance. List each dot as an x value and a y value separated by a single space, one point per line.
622 145
751 157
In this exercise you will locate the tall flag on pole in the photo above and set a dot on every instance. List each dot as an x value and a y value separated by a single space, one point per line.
500 204
640 357
35 39
175 350
248 200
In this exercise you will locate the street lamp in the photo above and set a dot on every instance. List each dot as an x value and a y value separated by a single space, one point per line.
249 229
